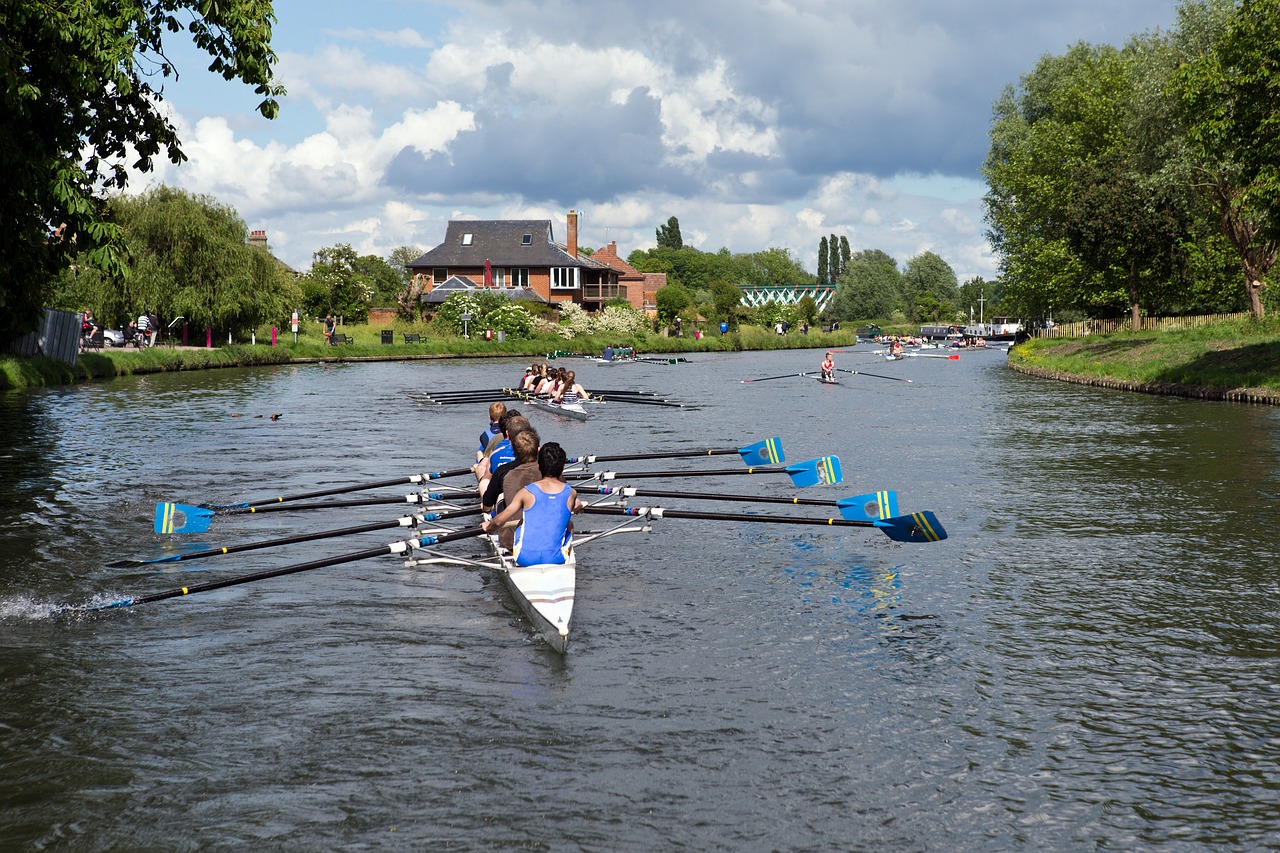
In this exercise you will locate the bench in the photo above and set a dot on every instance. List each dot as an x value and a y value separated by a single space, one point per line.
412 338
340 338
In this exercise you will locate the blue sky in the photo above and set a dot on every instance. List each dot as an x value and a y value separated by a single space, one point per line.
768 123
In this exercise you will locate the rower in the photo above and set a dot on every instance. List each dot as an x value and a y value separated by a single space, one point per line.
496 411
510 478
571 392
546 533
828 368
499 449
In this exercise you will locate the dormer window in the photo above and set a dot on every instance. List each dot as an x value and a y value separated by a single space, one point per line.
526 240
467 238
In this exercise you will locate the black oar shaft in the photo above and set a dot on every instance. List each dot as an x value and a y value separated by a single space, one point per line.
629 491
609 475
660 512
673 455
394 548
254 510
336 490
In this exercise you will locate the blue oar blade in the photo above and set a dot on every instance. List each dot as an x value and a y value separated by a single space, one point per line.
768 452
182 518
917 527
869 507
825 471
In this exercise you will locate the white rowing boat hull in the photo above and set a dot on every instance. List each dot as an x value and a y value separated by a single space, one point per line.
569 410
544 593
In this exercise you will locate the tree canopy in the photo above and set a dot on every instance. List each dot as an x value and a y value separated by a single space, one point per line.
82 97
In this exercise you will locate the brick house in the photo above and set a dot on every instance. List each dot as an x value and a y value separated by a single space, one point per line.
641 287
519 257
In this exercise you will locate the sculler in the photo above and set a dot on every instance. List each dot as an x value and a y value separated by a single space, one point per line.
547 505
828 368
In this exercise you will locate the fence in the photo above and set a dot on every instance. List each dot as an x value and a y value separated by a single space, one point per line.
58 337
1146 324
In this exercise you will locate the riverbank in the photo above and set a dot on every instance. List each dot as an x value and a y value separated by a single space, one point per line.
1236 361
367 345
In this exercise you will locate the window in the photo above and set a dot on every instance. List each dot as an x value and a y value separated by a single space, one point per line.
564 278
467 238
500 277
520 277
526 240
440 274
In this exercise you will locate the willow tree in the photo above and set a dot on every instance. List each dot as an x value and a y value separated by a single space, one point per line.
82 99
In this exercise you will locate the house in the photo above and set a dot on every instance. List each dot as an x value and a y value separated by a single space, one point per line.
258 240
641 288
518 257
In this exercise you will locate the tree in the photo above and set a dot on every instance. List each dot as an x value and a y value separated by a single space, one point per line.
824 262
78 100
335 284
869 288
671 300
187 256
669 235
929 280
1226 89
381 278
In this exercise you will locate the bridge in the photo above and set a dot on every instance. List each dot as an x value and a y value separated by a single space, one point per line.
755 295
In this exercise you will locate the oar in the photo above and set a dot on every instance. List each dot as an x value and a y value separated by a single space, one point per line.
868 507
825 470
928 355
764 452
184 518
402 547
404 521
876 375
411 480
917 527
782 376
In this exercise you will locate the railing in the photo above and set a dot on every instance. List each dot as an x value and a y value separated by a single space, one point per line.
1146 324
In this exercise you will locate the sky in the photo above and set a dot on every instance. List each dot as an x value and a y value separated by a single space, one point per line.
757 123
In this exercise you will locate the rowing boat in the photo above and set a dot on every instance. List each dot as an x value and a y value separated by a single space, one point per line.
544 593
569 410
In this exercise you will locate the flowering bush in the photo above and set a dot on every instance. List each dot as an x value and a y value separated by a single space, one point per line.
488 311
613 320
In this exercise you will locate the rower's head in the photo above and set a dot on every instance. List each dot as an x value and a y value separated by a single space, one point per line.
496 411
513 424
506 416
525 445
570 378
551 459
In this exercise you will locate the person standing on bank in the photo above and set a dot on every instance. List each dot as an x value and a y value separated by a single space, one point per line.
330 327
548 506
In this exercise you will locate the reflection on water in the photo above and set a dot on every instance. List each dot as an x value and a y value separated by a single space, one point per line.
1087 661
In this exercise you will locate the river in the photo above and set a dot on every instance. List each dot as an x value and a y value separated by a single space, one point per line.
1089 661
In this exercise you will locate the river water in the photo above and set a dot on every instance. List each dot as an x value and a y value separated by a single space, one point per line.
1089 661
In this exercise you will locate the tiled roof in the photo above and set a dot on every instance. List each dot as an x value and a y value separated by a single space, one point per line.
502 242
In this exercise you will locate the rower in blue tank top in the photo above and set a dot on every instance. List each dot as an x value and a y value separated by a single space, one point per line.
547 505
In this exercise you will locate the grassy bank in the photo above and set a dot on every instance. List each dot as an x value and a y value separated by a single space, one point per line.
16 372
1231 361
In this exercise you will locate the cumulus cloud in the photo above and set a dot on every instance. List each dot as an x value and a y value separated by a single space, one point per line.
768 125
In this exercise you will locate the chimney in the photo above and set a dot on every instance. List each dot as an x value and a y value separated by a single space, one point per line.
258 239
571 227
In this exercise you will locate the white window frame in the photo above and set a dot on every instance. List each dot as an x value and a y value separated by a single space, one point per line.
467 238
519 276
566 278
500 277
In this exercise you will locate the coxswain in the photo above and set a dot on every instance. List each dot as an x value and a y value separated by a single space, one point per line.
547 504
828 368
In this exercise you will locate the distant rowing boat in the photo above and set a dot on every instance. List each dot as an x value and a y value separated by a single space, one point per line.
568 410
